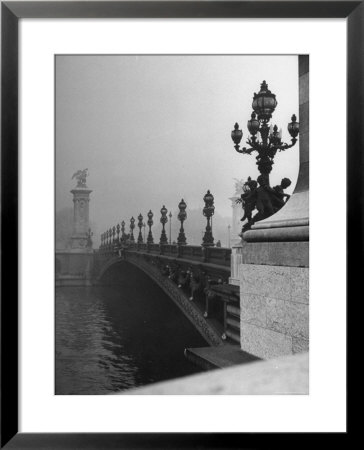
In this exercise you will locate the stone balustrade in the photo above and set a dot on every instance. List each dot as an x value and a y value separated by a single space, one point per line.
214 255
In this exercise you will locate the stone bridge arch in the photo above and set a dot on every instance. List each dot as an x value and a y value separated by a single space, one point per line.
188 308
104 266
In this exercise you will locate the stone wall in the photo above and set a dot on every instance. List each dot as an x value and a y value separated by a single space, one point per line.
73 268
274 310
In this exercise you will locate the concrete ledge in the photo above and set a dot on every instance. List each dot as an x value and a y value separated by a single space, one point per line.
218 357
285 234
281 223
287 375
291 254
72 280
294 213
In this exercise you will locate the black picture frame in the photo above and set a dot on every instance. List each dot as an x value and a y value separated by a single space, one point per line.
11 12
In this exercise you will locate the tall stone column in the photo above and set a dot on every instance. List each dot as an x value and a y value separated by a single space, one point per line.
75 264
81 201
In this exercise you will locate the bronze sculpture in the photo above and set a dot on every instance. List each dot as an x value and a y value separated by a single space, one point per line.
81 176
259 196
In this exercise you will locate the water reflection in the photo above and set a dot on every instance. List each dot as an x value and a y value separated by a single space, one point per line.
114 338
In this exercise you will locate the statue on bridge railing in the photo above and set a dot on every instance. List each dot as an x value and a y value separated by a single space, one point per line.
259 196
187 280
183 279
81 176
196 284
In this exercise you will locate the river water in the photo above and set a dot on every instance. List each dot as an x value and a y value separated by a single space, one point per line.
120 336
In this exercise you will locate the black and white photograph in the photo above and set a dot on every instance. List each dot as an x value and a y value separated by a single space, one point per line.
181 221
181 224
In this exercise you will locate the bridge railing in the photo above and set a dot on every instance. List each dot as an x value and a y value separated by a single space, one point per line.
214 255
218 255
153 248
169 249
119 235
191 252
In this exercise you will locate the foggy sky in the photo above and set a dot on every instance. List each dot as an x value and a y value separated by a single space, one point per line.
154 129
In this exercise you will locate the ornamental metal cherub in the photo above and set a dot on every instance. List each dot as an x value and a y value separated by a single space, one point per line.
248 199
258 195
81 176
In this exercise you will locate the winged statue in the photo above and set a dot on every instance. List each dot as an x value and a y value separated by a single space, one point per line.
81 176
239 185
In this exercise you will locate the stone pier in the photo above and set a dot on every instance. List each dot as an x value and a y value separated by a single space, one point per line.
81 220
74 265
274 263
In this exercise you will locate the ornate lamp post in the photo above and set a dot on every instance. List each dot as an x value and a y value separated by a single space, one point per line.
264 104
208 212
113 234
123 229
140 225
170 227
182 216
163 220
150 223
118 233
144 225
110 238
132 226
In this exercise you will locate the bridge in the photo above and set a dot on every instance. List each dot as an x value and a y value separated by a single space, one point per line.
268 269
195 278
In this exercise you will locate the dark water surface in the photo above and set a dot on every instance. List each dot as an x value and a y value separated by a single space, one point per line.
114 338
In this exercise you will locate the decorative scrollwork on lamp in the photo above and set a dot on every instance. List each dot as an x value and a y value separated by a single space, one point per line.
118 233
163 240
150 223
132 226
123 230
208 212
140 225
182 216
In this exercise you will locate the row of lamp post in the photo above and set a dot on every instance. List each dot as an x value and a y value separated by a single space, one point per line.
263 105
117 233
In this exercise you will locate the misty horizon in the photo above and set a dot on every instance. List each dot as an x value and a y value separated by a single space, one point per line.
155 129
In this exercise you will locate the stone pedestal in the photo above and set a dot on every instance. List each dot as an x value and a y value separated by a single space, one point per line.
274 310
274 271
74 266
81 200
236 261
236 243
